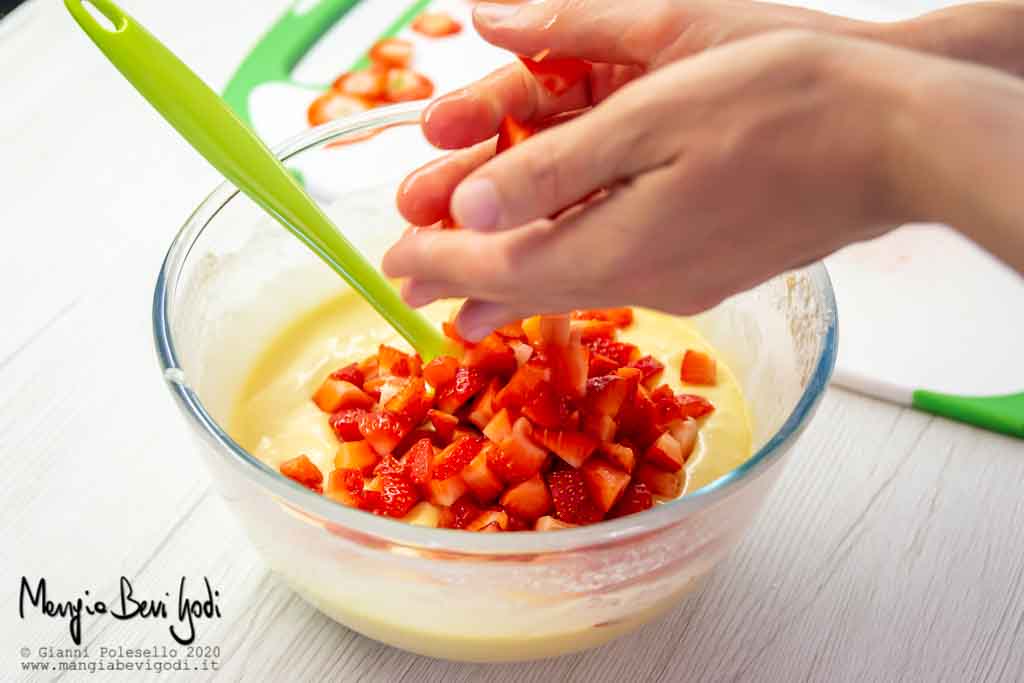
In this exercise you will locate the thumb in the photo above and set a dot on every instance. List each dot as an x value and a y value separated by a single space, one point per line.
608 31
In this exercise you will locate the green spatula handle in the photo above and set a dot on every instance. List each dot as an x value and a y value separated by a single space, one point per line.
205 120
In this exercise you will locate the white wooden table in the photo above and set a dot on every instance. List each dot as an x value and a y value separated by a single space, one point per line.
890 550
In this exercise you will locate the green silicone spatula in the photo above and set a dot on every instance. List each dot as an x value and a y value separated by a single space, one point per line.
209 125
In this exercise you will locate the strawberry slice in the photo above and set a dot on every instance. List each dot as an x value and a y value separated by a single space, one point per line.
512 133
446 491
619 317
605 483
465 385
685 432
528 500
517 457
356 455
619 352
570 498
345 487
660 482
500 427
350 373
334 105
693 406
557 76
440 371
548 523
383 430
484 484
345 424
391 52
391 361
463 511
636 498
335 394
650 368
572 447
418 462
367 85
303 471
698 368
601 365
665 453
489 520
411 403
606 394
444 424
455 457
436 24
491 355
483 407
394 496
405 85
619 455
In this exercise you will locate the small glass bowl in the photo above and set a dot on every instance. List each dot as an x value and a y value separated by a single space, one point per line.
233 279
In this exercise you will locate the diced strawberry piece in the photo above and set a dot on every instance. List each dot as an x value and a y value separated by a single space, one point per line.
594 329
685 432
411 403
303 471
605 483
516 523
500 427
606 394
548 523
375 385
389 465
449 331
638 418
463 511
391 52
651 368
601 427
619 455
620 317
529 499
394 498
570 364
440 371
522 352
446 491
572 447
665 453
419 461
512 331
467 382
452 459
636 498
693 406
698 368
356 455
554 331
546 408
665 403
498 518
391 361
345 424
523 386
601 365
517 458
351 374
483 405
490 528
531 329
444 424
631 375
557 76
335 394
369 367
491 355
660 482
484 484
512 133
383 430
619 352
571 500
345 487
436 24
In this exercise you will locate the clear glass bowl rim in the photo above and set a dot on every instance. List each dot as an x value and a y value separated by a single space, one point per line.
387 530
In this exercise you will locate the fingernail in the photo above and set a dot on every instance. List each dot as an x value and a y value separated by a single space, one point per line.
494 13
476 205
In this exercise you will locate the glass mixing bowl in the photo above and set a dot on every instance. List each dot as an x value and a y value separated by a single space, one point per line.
233 279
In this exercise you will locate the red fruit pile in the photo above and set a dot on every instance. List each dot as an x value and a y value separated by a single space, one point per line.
547 423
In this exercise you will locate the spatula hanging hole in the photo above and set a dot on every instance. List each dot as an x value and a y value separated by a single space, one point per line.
106 14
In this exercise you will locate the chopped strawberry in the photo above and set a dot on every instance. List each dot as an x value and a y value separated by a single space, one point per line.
406 85
345 424
548 523
557 76
375 385
463 512
351 374
698 368
665 453
445 491
517 458
523 386
570 365
572 447
367 84
554 330
636 498
491 355
411 403
484 484
394 498
511 133
571 500
418 462
660 482
601 365
487 518
650 367
383 430
601 427
490 528
444 424
606 394
619 455
356 455
452 459
500 427
303 471
522 352
391 361
546 408
594 329
531 329
693 406
529 499
391 52
605 483
449 331
665 403
620 317
483 406
516 523
511 331
334 105
335 394
436 24
685 432
619 352
639 419
467 382
389 465
369 367
345 486
440 371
